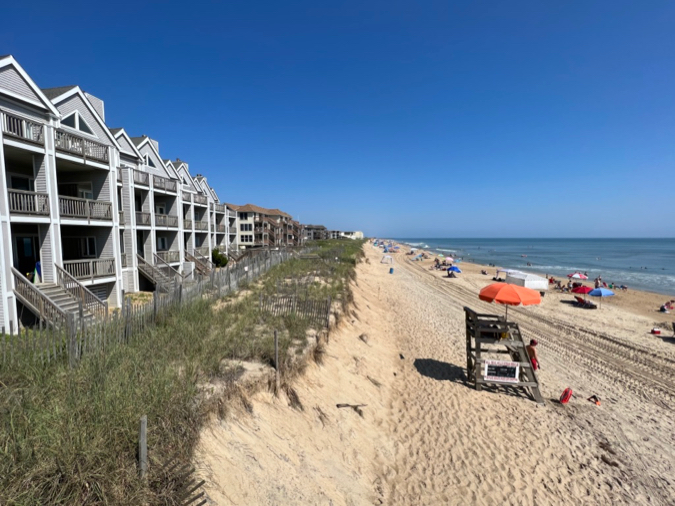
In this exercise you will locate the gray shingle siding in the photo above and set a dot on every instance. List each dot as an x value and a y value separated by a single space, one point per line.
75 103
11 80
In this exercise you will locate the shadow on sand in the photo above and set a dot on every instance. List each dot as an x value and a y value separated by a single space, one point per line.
443 371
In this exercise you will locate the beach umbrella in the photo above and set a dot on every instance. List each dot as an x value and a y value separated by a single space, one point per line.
577 275
509 295
601 292
440 255
454 268
582 289
449 259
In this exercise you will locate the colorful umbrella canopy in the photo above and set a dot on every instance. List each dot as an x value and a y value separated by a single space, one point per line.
455 269
577 275
601 292
509 295
449 259
582 289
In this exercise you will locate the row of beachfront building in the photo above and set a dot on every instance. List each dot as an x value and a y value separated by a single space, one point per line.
90 213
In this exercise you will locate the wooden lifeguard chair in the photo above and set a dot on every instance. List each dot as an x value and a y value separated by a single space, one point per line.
492 334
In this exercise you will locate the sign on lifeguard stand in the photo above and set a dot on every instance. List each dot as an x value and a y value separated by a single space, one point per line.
488 334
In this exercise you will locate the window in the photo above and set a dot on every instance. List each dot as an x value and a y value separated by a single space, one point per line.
21 183
243 216
148 161
84 191
160 208
87 247
77 122
69 121
246 227
161 244
121 242
246 238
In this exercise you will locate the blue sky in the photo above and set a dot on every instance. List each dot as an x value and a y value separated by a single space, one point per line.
409 119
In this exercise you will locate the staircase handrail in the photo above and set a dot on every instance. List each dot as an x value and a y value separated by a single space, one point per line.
31 296
197 261
207 263
89 300
157 276
164 263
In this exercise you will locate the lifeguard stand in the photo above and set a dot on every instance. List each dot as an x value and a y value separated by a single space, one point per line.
492 334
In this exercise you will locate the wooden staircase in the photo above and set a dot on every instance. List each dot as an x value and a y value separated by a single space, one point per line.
50 302
162 281
203 265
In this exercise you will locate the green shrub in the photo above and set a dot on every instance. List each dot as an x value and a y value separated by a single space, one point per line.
218 259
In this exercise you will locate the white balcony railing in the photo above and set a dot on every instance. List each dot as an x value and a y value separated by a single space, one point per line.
22 128
187 224
77 145
220 228
200 199
84 208
204 251
90 269
33 203
201 225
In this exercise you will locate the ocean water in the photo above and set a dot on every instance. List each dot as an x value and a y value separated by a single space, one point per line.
643 264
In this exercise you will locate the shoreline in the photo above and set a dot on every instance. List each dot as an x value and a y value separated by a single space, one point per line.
532 269
642 302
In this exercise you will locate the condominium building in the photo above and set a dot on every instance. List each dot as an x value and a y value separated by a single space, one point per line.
260 227
315 233
88 212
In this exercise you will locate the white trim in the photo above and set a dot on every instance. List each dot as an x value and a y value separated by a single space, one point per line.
136 152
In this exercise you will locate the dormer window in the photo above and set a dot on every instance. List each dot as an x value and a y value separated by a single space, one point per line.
77 122
149 162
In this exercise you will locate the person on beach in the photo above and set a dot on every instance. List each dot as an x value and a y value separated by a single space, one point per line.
532 353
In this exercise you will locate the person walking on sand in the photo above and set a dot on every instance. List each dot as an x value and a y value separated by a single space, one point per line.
532 353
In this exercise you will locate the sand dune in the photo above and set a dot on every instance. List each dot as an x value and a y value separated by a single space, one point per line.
426 437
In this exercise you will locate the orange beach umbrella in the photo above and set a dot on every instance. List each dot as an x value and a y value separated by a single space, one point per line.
509 295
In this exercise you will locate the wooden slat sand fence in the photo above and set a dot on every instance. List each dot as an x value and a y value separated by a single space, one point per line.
316 311
80 336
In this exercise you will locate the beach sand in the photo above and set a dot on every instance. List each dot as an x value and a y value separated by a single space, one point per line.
427 437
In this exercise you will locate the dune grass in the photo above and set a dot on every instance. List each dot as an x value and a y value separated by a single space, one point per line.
69 436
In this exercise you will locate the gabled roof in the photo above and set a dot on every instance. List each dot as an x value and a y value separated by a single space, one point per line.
42 101
52 93
144 140
252 208
76 90
119 133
